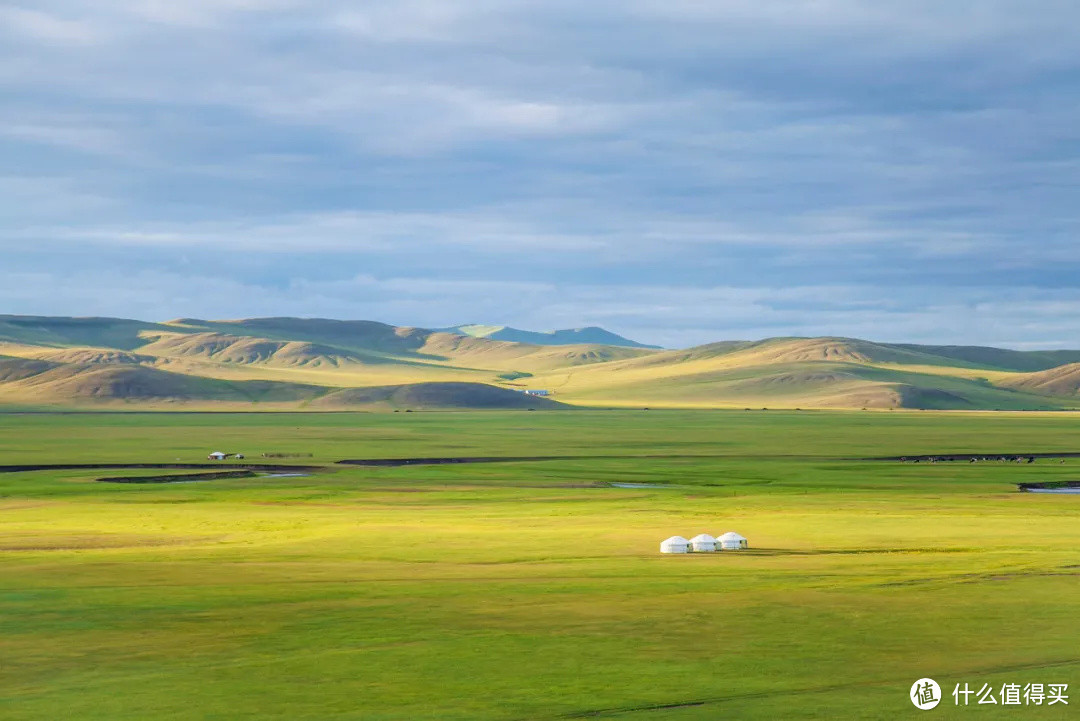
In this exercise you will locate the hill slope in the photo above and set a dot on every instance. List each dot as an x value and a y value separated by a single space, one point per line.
29 381
357 335
332 364
222 348
805 384
47 383
435 396
568 336
115 333
792 372
1063 381
1001 358
502 355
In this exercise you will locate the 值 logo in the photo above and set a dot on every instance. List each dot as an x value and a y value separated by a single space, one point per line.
925 694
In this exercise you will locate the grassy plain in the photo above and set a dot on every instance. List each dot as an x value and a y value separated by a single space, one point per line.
534 590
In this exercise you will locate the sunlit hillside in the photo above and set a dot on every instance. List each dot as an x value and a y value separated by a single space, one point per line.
317 364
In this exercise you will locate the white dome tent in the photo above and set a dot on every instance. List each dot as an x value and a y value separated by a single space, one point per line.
675 544
703 542
731 541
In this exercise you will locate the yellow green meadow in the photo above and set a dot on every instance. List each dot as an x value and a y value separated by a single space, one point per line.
534 590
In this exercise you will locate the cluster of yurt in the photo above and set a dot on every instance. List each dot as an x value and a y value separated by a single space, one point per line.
703 543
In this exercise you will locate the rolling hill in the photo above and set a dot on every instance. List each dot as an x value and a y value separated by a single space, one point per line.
72 383
429 396
799 372
499 355
242 350
1000 358
115 333
568 336
323 364
357 335
27 381
1063 381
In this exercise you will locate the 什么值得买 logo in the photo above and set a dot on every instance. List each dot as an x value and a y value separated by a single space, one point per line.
925 694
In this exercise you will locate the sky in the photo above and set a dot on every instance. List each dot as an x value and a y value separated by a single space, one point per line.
678 171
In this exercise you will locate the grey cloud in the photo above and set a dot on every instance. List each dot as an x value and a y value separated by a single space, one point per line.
695 161
675 316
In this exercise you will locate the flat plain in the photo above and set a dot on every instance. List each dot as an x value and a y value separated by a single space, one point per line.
534 589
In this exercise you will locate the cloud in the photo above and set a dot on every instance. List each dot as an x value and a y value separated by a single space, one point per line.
34 25
79 134
674 316
694 161
509 237
202 12
386 233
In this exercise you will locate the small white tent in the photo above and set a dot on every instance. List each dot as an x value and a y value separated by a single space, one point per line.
703 542
731 541
675 544
217 456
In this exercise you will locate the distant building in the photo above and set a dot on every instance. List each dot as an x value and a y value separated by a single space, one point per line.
731 541
537 392
217 456
703 542
675 544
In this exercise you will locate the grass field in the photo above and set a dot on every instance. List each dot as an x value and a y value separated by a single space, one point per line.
534 590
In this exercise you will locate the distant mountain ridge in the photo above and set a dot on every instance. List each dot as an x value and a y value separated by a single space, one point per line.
324 364
567 336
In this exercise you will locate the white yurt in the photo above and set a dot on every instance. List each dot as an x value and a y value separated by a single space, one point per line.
731 541
703 542
675 544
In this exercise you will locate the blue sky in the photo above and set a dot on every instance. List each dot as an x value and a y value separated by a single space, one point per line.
678 171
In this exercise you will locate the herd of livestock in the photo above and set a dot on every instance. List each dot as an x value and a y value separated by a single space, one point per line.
970 459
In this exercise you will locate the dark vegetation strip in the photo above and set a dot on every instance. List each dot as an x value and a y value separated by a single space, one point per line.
455 459
536 459
972 456
181 466
1048 484
353 462
179 477
384 462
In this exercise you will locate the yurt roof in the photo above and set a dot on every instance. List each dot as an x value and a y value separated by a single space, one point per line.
703 537
731 536
676 539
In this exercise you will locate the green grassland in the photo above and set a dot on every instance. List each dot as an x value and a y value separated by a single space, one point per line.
534 590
